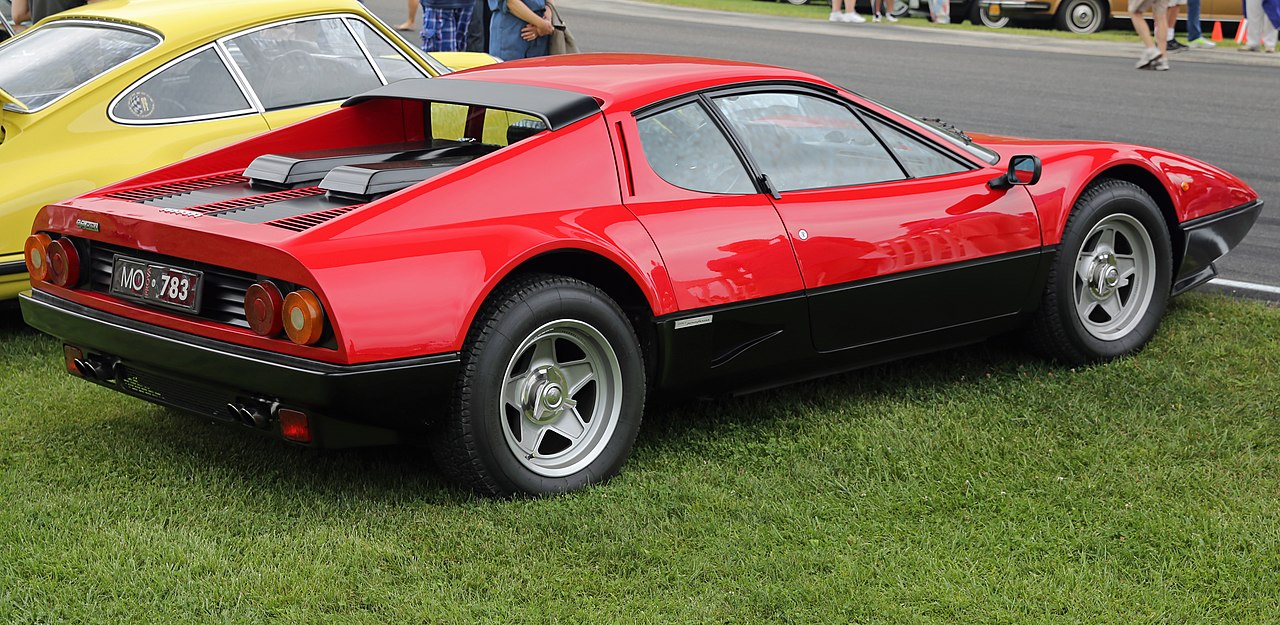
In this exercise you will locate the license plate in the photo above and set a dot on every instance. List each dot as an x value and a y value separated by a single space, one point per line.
157 284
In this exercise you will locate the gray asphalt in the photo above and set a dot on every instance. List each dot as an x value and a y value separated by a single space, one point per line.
1220 106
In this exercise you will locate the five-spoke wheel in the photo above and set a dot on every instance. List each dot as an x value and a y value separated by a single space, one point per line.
1109 284
562 397
550 392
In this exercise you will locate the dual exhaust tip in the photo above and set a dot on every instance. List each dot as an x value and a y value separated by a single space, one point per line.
256 415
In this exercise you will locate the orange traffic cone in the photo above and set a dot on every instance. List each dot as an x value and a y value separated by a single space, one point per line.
1242 32
1217 32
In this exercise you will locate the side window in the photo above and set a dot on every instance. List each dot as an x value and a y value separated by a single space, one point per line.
686 149
393 65
197 86
806 142
303 62
920 159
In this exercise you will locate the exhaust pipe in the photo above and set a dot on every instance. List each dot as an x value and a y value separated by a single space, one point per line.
94 369
252 416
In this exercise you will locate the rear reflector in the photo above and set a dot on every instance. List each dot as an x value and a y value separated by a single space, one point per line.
72 354
294 425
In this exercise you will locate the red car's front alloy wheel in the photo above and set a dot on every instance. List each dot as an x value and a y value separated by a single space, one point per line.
303 317
263 304
36 251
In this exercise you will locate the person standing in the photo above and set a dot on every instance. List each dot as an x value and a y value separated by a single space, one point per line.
882 9
1195 36
1152 50
478 30
41 9
409 22
444 25
1262 18
1171 44
849 15
519 29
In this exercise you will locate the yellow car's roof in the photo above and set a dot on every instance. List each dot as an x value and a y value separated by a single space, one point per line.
184 21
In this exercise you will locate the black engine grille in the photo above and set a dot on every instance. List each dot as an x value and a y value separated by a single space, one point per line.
223 297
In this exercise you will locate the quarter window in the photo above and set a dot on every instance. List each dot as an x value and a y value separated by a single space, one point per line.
198 86
303 62
54 60
686 149
805 142
393 65
920 159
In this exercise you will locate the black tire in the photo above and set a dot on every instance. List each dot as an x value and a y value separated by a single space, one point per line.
1083 17
1104 300
513 416
979 17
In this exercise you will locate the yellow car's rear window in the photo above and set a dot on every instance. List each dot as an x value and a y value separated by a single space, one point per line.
56 59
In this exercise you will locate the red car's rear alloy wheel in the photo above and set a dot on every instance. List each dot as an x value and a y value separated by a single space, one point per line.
550 393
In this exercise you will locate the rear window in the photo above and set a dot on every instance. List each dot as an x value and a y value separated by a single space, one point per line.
55 60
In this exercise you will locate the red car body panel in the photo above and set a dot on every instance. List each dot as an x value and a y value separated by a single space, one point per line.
845 276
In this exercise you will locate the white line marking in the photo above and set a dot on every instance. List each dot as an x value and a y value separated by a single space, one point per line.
1246 286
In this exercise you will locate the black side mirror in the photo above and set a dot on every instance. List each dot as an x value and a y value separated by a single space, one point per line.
1023 169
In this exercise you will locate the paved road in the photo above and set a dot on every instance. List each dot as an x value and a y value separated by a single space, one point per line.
1219 106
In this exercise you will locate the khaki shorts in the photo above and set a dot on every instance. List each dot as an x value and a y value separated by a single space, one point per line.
1139 6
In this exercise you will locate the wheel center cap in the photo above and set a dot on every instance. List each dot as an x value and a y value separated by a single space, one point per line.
544 397
1104 276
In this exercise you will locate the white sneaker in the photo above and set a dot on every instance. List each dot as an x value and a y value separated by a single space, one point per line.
836 17
1149 55
852 16
890 18
1202 43
875 19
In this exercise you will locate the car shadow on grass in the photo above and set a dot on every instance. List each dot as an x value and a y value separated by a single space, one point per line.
151 442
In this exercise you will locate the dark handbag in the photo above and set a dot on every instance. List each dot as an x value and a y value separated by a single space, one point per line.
562 41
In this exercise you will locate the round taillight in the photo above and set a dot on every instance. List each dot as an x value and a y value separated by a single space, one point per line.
64 263
36 251
262 305
303 317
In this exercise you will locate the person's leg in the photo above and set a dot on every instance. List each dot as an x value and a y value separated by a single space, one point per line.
1193 21
1144 31
1161 18
1254 16
410 22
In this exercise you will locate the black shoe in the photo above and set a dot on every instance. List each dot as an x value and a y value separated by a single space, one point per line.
1173 45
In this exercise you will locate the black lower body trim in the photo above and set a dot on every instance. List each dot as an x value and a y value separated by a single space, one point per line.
13 267
350 405
1210 238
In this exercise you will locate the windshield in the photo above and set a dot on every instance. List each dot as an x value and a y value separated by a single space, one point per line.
54 60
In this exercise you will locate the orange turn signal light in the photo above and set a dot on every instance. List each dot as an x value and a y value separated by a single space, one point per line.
303 317
35 250
262 305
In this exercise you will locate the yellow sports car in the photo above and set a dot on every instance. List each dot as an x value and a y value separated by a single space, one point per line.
121 87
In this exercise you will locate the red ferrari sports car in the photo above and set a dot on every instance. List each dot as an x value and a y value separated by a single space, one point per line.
402 270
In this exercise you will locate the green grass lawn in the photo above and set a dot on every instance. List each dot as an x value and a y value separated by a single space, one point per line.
975 486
